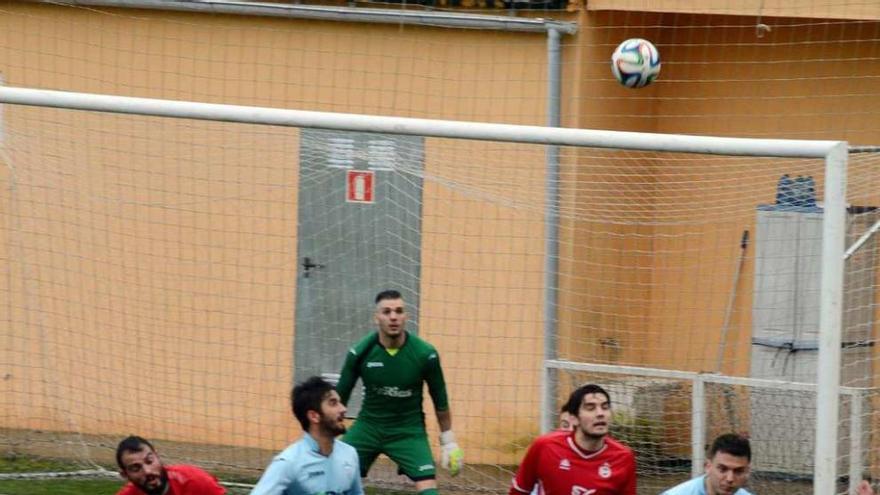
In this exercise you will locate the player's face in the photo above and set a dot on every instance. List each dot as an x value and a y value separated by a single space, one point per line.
725 473
391 317
567 422
594 415
145 470
333 414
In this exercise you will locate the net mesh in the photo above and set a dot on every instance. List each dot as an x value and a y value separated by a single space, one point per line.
154 270
154 284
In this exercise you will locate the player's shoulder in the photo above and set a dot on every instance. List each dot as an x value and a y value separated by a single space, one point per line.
693 486
128 489
299 448
555 437
294 456
344 448
364 344
345 458
421 346
616 446
191 477
186 471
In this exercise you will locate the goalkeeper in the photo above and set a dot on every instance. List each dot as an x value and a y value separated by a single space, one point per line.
393 365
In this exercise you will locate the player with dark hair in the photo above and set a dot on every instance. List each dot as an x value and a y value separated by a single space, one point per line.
318 463
567 421
567 424
586 461
393 365
141 466
727 469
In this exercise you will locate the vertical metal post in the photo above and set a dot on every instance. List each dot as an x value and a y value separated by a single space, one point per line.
698 425
551 235
830 322
855 439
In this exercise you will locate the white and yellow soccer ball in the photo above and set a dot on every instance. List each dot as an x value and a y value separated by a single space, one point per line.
635 63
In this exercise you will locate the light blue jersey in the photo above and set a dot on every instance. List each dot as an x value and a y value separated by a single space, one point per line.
301 469
696 486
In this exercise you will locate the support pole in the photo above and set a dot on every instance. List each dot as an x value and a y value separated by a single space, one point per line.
830 322
551 232
698 426
855 440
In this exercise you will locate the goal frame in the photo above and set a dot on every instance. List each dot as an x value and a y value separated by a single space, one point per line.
699 399
834 154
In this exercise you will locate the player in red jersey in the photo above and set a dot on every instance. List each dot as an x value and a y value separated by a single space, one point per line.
140 465
586 462
567 424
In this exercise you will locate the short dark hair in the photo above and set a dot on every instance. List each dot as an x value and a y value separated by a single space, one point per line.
733 444
307 396
389 294
576 397
131 443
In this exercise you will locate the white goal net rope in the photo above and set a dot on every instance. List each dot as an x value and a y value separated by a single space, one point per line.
155 283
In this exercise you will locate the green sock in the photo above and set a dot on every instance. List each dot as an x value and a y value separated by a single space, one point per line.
429 491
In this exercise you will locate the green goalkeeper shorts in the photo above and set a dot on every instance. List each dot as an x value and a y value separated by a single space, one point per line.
408 447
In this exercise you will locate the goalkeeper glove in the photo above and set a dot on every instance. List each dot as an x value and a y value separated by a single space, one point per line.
453 456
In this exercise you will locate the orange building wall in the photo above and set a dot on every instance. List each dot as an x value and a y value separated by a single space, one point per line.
620 288
680 312
162 300
751 8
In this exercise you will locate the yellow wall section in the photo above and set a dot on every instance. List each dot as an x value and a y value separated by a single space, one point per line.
621 283
170 305
752 8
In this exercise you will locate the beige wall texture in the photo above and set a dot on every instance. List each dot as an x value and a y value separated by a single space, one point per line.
173 314
772 8
802 110
173 317
670 313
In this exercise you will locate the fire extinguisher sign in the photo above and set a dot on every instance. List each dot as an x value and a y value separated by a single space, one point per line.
359 186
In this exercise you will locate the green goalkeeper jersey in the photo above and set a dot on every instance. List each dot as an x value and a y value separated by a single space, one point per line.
393 384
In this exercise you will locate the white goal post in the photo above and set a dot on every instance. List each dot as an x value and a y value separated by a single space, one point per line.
698 413
834 153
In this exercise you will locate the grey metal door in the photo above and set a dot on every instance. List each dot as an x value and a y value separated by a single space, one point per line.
359 232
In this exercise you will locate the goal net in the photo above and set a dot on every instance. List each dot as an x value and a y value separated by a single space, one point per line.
172 278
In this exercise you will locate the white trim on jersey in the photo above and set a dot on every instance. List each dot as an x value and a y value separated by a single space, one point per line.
517 487
580 451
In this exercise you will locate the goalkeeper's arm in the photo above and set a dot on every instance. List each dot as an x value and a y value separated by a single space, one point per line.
348 376
452 457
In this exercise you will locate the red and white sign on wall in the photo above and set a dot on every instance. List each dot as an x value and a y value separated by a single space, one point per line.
359 186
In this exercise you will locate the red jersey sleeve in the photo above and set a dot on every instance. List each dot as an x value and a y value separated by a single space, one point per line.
208 485
194 481
629 485
527 474
127 489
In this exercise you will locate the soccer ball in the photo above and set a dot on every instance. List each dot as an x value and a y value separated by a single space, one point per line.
635 63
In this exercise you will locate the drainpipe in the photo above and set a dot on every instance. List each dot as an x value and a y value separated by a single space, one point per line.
551 234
